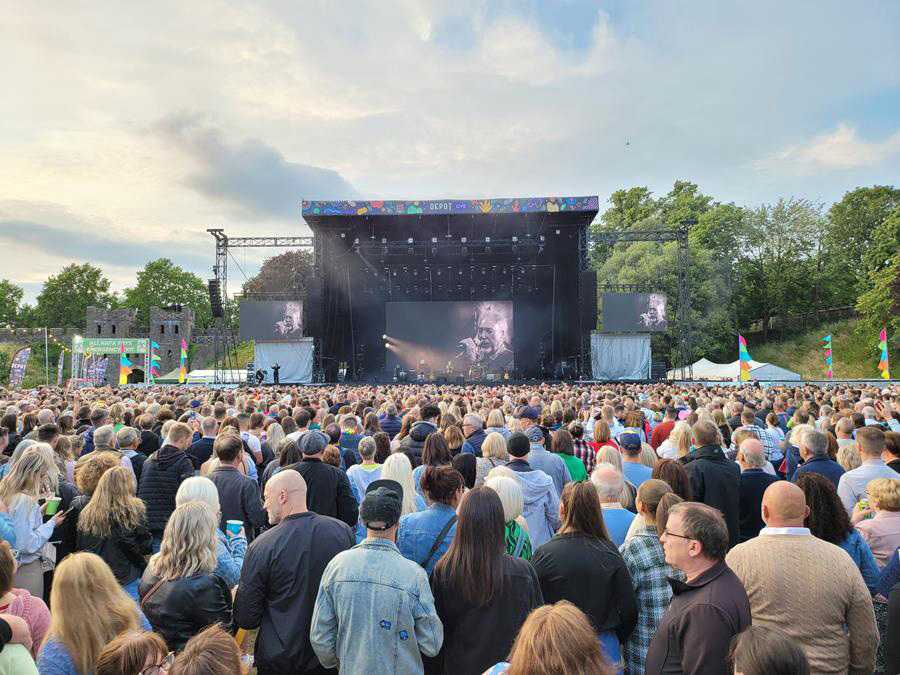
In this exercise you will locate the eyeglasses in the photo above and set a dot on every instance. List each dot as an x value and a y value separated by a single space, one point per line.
161 667
672 534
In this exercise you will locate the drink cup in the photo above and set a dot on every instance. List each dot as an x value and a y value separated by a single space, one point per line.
52 505
234 526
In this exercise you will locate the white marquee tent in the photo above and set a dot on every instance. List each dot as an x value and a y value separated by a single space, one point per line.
705 369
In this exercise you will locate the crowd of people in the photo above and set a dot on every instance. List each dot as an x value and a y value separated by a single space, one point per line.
540 529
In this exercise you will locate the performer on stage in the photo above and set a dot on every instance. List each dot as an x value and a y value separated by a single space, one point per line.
275 369
488 350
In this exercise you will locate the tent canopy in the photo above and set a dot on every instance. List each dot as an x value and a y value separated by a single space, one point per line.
704 369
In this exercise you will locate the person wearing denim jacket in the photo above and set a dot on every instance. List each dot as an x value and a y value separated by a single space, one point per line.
230 552
375 611
420 531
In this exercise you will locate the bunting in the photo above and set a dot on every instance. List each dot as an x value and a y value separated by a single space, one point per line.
744 358
883 364
829 373
154 361
182 371
125 365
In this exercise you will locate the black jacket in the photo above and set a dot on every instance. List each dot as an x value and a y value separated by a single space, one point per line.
123 550
162 474
465 648
137 464
278 588
67 533
716 482
181 608
591 574
149 442
239 499
413 443
328 491
200 451
753 483
696 630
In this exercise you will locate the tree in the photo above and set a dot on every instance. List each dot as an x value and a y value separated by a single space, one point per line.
163 283
880 305
64 300
852 225
10 299
288 273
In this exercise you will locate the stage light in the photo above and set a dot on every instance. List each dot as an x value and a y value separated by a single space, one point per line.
464 240
434 240
542 237
384 337
356 241
409 241
383 240
386 345
487 239
515 239
557 232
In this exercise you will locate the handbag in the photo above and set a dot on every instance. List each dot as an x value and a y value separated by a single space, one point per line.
438 541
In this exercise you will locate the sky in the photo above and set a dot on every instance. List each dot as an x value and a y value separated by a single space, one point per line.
128 129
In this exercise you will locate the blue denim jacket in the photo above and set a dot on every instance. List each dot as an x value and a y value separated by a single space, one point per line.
230 557
418 532
859 550
375 612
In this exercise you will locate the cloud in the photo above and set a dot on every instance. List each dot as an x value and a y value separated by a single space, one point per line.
839 150
250 174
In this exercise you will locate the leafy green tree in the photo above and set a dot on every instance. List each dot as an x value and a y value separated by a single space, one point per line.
880 305
65 297
163 283
10 299
287 273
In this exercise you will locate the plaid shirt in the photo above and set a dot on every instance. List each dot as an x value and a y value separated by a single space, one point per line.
770 443
585 453
646 563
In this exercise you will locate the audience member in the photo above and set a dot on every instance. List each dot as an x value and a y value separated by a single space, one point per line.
367 471
212 652
425 536
882 530
328 491
540 459
162 474
853 484
609 484
238 494
541 499
19 602
751 457
518 543
715 479
764 651
135 653
814 453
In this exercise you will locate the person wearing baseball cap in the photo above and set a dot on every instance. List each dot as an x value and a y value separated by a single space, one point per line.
375 610
543 460
328 488
635 472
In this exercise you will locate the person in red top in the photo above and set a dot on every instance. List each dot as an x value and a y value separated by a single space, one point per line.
664 428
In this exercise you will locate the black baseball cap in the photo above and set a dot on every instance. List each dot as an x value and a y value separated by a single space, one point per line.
382 506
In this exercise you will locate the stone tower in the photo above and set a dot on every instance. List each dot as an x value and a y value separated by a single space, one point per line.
167 328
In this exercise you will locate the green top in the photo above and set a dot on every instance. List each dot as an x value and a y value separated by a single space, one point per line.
514 532
575 466
16 660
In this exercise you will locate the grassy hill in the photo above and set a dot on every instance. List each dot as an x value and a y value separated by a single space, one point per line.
855 352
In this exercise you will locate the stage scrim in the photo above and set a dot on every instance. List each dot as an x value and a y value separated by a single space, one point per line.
620 357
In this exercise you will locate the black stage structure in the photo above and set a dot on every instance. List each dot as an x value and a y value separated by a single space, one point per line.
532 252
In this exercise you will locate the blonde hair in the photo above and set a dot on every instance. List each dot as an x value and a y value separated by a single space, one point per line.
398 467
89 608
610 455
496 419
510 493
454 437
848 457
798 432
884 493
113 503
648 455
681 437
33 475
494 447
198 489
274 435
188 544
90 468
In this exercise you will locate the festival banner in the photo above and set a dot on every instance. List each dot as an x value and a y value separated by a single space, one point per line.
829 372
744 358
60 364
154 361
182 370
17 369
883 364
125 366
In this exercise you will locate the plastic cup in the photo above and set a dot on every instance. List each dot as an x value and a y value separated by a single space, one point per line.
234 526
52 505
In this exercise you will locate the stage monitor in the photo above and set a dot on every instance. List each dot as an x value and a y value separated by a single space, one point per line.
271 319
472 339
635 312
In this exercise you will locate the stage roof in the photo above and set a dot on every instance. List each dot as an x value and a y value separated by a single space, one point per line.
559 210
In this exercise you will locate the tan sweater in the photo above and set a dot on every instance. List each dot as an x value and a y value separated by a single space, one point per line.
809 589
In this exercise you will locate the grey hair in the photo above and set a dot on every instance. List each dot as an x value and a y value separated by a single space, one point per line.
127 436
869 412
105 436
510 493
209 424
754 455
198 489
474 420
816 442
608 491
704 524
367 447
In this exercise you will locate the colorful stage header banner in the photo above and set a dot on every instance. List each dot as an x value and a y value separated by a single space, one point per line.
83 345
451 206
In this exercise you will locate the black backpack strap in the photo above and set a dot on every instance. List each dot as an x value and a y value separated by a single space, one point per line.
438 541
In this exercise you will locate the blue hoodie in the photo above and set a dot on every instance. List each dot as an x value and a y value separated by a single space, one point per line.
541 502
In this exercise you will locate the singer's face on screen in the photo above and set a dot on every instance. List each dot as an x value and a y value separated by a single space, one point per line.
485 337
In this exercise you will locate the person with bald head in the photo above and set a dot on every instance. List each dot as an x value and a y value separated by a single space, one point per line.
281 575
805 587
751 457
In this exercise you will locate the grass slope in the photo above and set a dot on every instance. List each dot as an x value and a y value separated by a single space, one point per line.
855 352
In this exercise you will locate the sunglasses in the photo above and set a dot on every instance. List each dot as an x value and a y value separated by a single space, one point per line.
161 667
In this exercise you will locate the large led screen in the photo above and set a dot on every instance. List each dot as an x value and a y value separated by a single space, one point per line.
635 312
453 338
271 320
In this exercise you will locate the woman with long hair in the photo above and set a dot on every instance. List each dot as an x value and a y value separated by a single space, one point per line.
555 640
135 653
582 565
722 425
425 536
288 453
114 526
828 520
603 436
453 435
493 454
479 590
646 563
563 446
371 425
382 447
89 610
518 542
676 476
496 423
31 481
434 453
212 652
405 425
231 548
395 468
678 444
180 594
